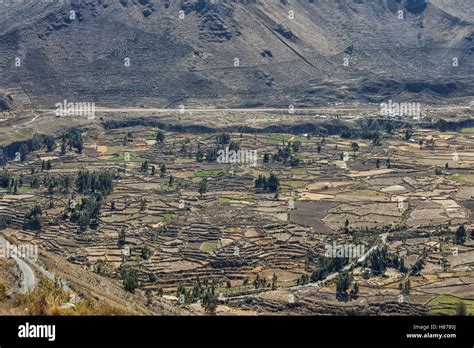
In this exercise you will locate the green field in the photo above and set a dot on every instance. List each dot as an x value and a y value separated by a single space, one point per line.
206 173
447 305
168 215
208 246
463 178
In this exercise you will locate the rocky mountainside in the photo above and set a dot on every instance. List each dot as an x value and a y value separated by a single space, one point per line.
236 53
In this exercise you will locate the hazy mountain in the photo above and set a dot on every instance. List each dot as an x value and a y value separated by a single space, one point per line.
281 60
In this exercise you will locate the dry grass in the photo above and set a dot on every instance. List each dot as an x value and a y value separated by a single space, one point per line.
49 297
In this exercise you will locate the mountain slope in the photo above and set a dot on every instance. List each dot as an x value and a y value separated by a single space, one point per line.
281 60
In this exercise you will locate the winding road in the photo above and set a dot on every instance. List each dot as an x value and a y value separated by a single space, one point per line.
29 277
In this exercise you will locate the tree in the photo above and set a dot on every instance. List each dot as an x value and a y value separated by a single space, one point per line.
378 260
162 170
266 157
149 297
346 227
210 300
418 266
402 268
274 281
144 167
461 309
223 138
202 187
146 252
377 163
355 147
408 133
160 137
461 234
319 148
4 221
50 143
142 204
130 279
33 220
259 181
273 183
153 170
24 149
343 283
355 290
407 287
199 155
121 237
63 147
84 221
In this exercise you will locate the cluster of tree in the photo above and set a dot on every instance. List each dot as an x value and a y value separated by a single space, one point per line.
160 137
430 143
328 265
46 165
405 287
11 183
91 182
365 133
72 140
287 154
187 147
418 266
272 183
223 138
461 309
130 279
33 219
381 259
51 182
50 143
86 214
304 279
145 252
204 292
24 147
260 282
212 153
345 287
144 166
5 178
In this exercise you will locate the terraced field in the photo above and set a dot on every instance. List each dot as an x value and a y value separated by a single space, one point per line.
177 217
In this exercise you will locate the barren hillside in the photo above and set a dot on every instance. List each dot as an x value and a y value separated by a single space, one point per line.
288 52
